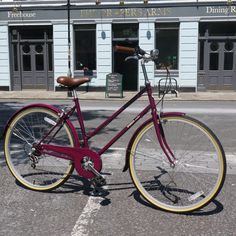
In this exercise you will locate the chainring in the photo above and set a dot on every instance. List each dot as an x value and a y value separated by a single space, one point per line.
93 157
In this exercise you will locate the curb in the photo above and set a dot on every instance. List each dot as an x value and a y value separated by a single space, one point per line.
100 96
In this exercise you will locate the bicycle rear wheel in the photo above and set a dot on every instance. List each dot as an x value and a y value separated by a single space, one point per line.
39 171
199 172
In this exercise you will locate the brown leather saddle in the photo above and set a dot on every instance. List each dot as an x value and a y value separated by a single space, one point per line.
71 82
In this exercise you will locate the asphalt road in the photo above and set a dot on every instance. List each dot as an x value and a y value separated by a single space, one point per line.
70 210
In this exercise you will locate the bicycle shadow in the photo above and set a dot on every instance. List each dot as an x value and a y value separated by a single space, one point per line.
78 184
73 184
215 207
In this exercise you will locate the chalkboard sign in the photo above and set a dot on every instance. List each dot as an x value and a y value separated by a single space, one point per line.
114 85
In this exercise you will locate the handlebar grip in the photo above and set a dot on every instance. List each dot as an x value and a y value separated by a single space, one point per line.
124 49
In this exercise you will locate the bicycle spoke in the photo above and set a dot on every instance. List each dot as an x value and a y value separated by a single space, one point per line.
148 156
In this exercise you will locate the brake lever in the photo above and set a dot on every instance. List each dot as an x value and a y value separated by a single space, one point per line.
131 57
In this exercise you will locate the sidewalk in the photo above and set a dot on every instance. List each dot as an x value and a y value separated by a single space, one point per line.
50 95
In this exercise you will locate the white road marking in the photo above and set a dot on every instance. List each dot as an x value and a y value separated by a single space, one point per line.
231 158
85 220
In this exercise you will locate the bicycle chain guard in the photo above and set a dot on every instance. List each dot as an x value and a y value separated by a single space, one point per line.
81 157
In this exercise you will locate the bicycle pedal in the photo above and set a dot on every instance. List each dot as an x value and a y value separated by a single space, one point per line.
97 184
99 181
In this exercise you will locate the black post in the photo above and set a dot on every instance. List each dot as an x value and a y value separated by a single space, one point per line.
69 94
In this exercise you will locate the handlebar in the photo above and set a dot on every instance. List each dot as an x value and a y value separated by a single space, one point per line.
137 50
123 49
138 53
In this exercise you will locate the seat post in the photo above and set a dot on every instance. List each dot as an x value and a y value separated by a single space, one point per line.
74 93
71 93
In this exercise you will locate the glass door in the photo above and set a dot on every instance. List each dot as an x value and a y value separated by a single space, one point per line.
32 57
221 65
33 65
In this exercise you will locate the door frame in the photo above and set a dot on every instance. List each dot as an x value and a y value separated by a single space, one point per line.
205 73
16 55
208 34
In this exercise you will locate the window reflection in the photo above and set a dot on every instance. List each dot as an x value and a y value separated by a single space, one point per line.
228 61
214 61
26 62
125 31
39 62
229 46
167 41
214 46
85 47
39 48
26 48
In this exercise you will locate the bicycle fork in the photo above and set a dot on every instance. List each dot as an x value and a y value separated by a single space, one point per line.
160 131
157 121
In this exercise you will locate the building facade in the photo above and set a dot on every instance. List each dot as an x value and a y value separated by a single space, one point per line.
197 39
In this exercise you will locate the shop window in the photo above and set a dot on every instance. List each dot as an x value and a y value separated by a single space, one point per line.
222 29
32 33
167 41
85 47
217 29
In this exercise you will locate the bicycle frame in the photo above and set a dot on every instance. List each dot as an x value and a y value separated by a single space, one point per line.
69 153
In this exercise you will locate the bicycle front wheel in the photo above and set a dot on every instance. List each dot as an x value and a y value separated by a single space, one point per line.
199 171
38 171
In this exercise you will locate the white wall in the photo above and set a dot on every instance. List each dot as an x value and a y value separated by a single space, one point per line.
147 45
104 54
4 57
60 47
188 54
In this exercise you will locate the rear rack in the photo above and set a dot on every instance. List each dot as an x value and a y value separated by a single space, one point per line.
170 87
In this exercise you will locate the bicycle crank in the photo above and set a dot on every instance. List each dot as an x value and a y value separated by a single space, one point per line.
88 164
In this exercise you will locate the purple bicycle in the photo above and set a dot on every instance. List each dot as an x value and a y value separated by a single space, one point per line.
176 162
